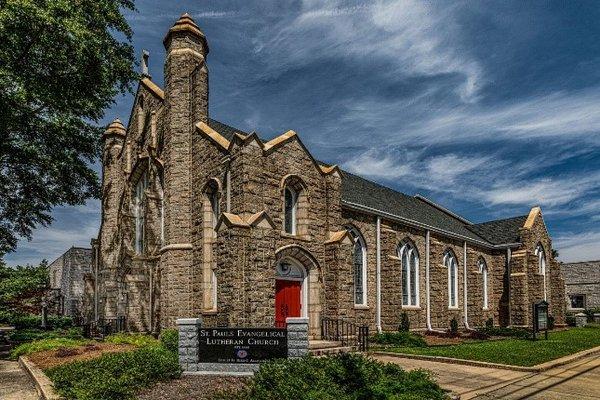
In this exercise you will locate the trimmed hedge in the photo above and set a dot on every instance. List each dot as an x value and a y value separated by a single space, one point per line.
135 339
28 335
115 376
343 377
399 339
169 338
32 321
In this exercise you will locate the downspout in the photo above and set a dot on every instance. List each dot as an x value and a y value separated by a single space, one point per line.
96 283
427 294
466 311
508 272
378 305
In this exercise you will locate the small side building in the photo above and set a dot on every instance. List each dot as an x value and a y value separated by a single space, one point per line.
67 274
582 285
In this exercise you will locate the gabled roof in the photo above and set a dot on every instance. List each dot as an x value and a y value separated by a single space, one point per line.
419 211
362 192
500 231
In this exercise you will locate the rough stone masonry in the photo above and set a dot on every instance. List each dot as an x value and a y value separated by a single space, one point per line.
201 219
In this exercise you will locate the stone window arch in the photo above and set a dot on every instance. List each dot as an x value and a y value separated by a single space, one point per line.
359 262
295 205
409 257
483 270
451 264
541 257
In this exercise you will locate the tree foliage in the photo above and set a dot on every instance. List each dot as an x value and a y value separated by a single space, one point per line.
61 64
21 288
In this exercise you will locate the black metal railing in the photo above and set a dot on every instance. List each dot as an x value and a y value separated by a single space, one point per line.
346 332
104 326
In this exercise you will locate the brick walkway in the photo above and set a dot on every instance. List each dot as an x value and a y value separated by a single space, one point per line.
14 382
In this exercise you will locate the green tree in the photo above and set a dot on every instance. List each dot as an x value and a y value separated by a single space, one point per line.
62 62
21 288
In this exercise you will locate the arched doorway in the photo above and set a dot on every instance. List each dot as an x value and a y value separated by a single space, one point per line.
298 287
291 291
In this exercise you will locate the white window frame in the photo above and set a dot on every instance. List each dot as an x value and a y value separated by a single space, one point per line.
140 189
358 238
541 255
410 250
483 270
293 211
450 262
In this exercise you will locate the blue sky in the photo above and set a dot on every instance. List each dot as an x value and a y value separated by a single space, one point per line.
486 107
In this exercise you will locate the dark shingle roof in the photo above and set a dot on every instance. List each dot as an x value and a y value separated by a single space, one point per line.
360 191
500 231
225 130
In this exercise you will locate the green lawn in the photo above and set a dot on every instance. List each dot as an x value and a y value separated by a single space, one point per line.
516 351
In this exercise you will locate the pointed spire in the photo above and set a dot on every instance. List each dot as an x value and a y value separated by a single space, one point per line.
186 23
115 128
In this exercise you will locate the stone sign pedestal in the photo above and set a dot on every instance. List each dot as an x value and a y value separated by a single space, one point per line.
226 341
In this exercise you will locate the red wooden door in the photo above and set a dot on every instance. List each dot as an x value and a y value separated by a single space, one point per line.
287 301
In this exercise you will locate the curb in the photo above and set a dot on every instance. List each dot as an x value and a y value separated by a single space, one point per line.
43 385
536 368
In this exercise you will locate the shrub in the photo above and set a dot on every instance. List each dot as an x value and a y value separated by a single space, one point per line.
45 344
28 335
32 321
116 375
489 323
404 323
404 339
169 338
135 339
453 327
343 377
570 320
519 333
550 322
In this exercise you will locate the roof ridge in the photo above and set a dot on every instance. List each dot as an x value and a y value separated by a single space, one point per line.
501 219
443 209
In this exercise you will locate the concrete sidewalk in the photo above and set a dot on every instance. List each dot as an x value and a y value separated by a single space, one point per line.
15 383
577 380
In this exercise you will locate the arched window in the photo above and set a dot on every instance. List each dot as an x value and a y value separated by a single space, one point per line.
410 273
212 209
541 255
452 266
139 195
161 193
210 216
483 270
359 258
291 208
213 284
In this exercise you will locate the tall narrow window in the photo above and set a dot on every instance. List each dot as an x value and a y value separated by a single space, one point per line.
359 258
452 266
483 270
140 190
410 273
161 193
541 255
291 205
214 207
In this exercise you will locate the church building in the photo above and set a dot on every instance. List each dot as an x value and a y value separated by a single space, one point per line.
203 219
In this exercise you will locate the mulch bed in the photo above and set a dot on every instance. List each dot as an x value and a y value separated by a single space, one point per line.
52 358
197 387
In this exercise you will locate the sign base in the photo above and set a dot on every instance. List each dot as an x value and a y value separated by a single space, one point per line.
221 369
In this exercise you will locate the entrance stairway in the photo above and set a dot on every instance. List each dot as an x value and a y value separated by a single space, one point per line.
328 347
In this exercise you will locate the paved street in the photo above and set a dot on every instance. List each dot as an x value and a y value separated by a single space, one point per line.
14 382
578 380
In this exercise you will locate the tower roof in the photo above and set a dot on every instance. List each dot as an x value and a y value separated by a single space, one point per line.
186 23
115 128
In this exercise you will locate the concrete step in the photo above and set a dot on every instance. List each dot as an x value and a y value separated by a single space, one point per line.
322 344
331 351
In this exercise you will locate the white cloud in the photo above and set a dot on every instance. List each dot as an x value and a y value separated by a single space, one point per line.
575 247
413 37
